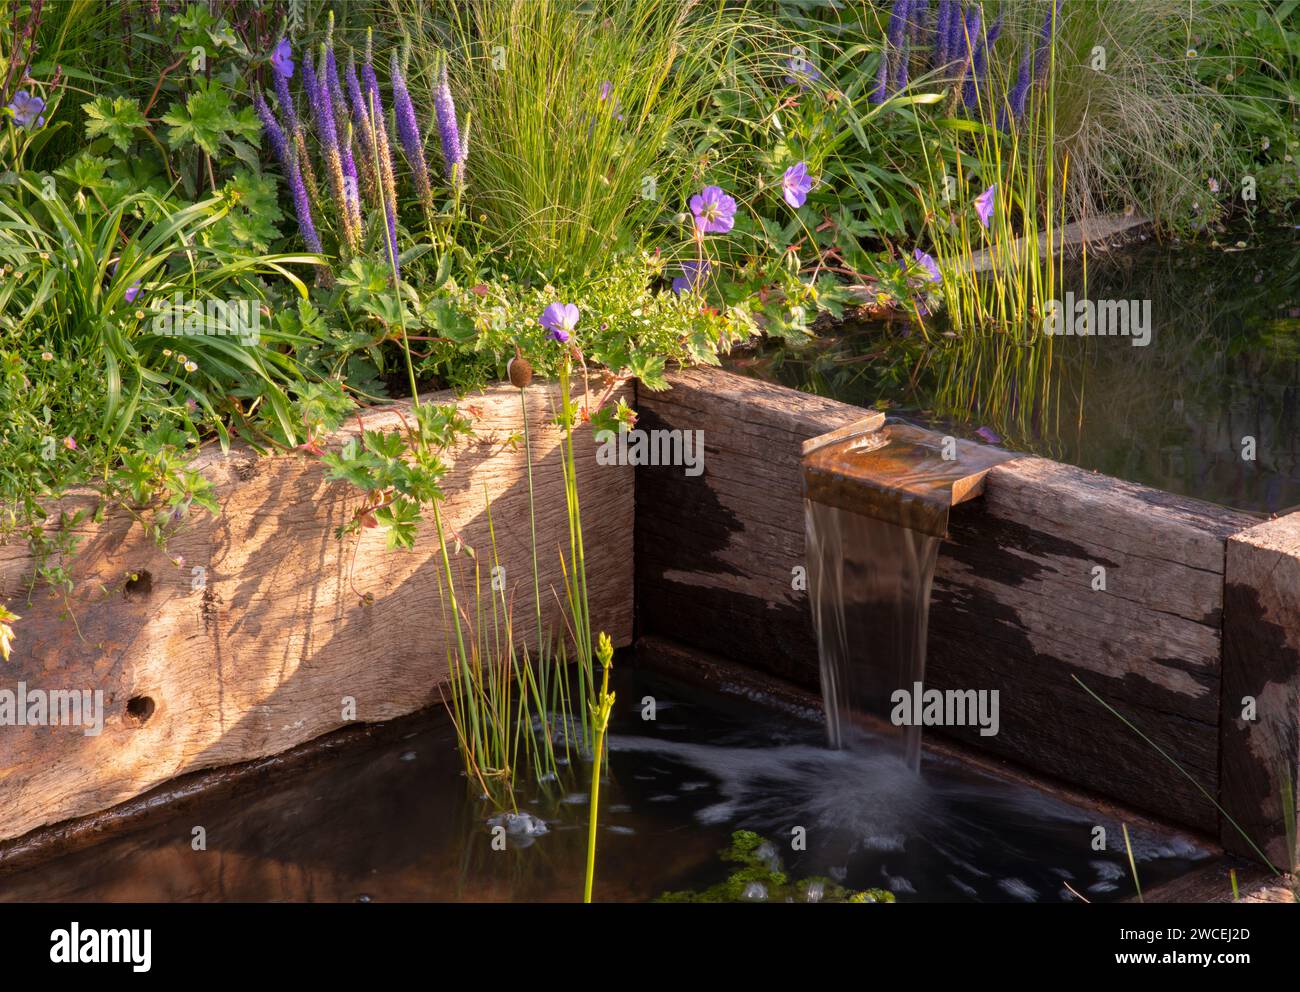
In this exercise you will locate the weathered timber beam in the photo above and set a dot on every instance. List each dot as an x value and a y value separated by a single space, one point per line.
1016 603
255 628
1260 725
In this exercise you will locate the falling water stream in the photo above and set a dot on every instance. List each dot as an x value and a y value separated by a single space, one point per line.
876 507
870 584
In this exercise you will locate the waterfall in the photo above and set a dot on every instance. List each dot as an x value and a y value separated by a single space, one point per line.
876 505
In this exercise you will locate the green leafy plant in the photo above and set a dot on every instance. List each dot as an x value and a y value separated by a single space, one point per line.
761 878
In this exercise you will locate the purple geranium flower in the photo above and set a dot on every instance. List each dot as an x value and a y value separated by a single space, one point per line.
984 204
282 59
560 319
928 263
693 273
802 71
795 185
714 210
26 108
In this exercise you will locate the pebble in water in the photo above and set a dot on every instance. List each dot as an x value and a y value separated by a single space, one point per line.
523 828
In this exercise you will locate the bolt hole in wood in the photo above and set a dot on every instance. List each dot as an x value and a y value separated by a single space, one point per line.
139 709
138 584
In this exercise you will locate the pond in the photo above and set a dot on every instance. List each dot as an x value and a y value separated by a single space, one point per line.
391 819
1208 408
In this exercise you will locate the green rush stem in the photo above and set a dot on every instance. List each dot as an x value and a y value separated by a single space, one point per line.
532 520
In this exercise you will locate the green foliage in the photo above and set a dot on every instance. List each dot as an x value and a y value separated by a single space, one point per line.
760 878
585 140
398 471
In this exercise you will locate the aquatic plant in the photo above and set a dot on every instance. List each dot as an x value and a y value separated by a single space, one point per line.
761 878
601 707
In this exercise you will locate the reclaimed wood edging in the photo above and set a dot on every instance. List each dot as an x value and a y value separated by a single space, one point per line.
249 645
1014 608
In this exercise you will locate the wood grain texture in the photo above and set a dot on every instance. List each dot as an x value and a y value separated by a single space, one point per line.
1013 603
1261 663
259 658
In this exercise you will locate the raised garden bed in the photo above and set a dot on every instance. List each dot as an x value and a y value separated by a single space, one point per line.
257 630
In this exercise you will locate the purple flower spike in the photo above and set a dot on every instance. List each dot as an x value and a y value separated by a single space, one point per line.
289 165
970 36
1016 98
282 59
942 26
984 204
928 263
606 88
881 89
979 64
560 319
285 99
796 184
26 108
714 210
360 113
916 18
453 148
1045 40
693 273
274 133
898 41
956 44
311 87
408 131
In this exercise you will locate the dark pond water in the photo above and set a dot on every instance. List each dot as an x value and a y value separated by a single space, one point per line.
1222 366
393 820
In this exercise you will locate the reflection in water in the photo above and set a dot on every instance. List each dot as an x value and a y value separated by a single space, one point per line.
1223 365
